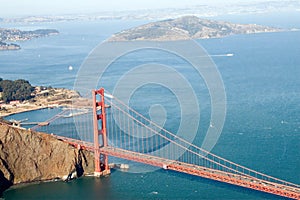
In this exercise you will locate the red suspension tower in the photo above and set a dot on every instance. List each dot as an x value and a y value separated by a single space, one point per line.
101 160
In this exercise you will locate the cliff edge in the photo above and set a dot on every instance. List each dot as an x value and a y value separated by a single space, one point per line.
27 156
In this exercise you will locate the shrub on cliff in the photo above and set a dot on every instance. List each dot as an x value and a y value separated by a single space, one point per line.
15 90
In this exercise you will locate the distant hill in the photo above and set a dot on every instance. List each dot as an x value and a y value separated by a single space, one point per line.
18 35
187 27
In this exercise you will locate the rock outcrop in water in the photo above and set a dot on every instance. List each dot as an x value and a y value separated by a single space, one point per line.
27 156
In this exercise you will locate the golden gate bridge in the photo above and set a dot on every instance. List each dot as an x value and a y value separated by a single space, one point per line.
111 128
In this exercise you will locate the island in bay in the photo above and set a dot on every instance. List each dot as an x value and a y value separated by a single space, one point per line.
9 35
187 27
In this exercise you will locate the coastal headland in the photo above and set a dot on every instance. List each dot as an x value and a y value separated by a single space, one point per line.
27 156
9 35
45 97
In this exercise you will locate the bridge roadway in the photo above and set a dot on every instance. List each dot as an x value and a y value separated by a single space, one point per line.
218 175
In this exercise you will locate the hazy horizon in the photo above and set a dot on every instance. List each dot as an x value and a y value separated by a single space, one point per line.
15 8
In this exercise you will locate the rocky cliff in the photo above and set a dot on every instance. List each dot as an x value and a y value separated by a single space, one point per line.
27 156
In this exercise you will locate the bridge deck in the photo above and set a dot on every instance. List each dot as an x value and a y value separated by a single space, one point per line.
240 180
218 175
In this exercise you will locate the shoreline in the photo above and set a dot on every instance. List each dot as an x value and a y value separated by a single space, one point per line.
23 111
25 184
33 108
53 98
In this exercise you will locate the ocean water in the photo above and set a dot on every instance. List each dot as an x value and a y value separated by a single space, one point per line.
261 131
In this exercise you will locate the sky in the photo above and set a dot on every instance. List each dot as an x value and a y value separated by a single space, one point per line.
14 8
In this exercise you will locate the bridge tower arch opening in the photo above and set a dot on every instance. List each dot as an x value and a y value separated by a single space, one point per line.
99 115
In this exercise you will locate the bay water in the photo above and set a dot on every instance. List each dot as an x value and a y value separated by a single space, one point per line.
262 127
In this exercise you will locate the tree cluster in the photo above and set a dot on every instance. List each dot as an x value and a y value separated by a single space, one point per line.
15 90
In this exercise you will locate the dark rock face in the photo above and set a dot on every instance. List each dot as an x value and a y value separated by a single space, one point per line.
27 156
6 177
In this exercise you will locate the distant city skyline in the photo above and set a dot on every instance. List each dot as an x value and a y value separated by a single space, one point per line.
16 8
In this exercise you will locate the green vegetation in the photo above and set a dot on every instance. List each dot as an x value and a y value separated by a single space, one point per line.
15 90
